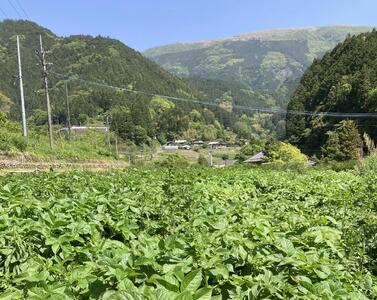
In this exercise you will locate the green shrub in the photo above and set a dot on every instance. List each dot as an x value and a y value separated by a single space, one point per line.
251 149
225 156
173 160
337 166
368 164
241 157
202 160
10 135
286 153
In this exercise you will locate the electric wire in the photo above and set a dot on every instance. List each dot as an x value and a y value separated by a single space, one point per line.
23 10
240 107
15 9
4 13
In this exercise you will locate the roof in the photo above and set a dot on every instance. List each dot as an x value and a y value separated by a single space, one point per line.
257 158
180 141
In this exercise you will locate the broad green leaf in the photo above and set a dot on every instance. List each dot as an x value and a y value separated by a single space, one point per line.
203 294
192 281
186 295
164 283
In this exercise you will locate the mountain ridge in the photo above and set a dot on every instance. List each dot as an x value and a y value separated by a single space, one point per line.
259 34
271 61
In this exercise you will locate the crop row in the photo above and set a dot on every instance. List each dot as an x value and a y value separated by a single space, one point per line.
188 234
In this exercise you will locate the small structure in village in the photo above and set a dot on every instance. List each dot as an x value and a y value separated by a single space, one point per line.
217 145
257 159
171 147
197 142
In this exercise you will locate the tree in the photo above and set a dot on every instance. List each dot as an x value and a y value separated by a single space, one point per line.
140 136
121 122
39 117
173 160
344 143
284 154
271 147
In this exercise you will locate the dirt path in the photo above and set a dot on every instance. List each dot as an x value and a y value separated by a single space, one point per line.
20 164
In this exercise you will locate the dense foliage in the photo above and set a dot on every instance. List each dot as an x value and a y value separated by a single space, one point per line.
98 59
93 58
344 80
188 234
108 61
10 135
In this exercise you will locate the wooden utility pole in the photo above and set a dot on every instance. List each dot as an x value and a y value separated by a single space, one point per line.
45 77
68 112
116 147
210 157
24 129
108 130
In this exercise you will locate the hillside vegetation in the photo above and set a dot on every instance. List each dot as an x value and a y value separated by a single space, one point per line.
98 59
93 58
271 60
137 118
344 80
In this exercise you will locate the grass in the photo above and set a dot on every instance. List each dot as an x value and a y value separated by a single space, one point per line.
82 147
192 156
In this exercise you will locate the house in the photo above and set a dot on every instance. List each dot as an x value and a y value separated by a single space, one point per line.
258 158
170 147
197 142
213 144
180 142
217 145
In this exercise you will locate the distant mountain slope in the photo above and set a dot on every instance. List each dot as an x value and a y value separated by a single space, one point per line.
135 117
344 80
94 58
271 60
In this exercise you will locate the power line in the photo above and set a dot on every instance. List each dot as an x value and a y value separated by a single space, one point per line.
23 10
241 107
15 9
4 13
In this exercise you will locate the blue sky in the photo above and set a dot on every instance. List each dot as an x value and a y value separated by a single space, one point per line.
146 23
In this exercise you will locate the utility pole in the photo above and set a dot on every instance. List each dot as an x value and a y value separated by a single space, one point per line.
210 157
108 129
45 77
24 129
68 112
116 148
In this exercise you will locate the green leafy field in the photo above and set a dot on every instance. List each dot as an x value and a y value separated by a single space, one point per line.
188 234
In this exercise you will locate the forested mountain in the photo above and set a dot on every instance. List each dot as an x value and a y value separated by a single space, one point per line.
102 60
344 80
271 61
92 58
136 117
